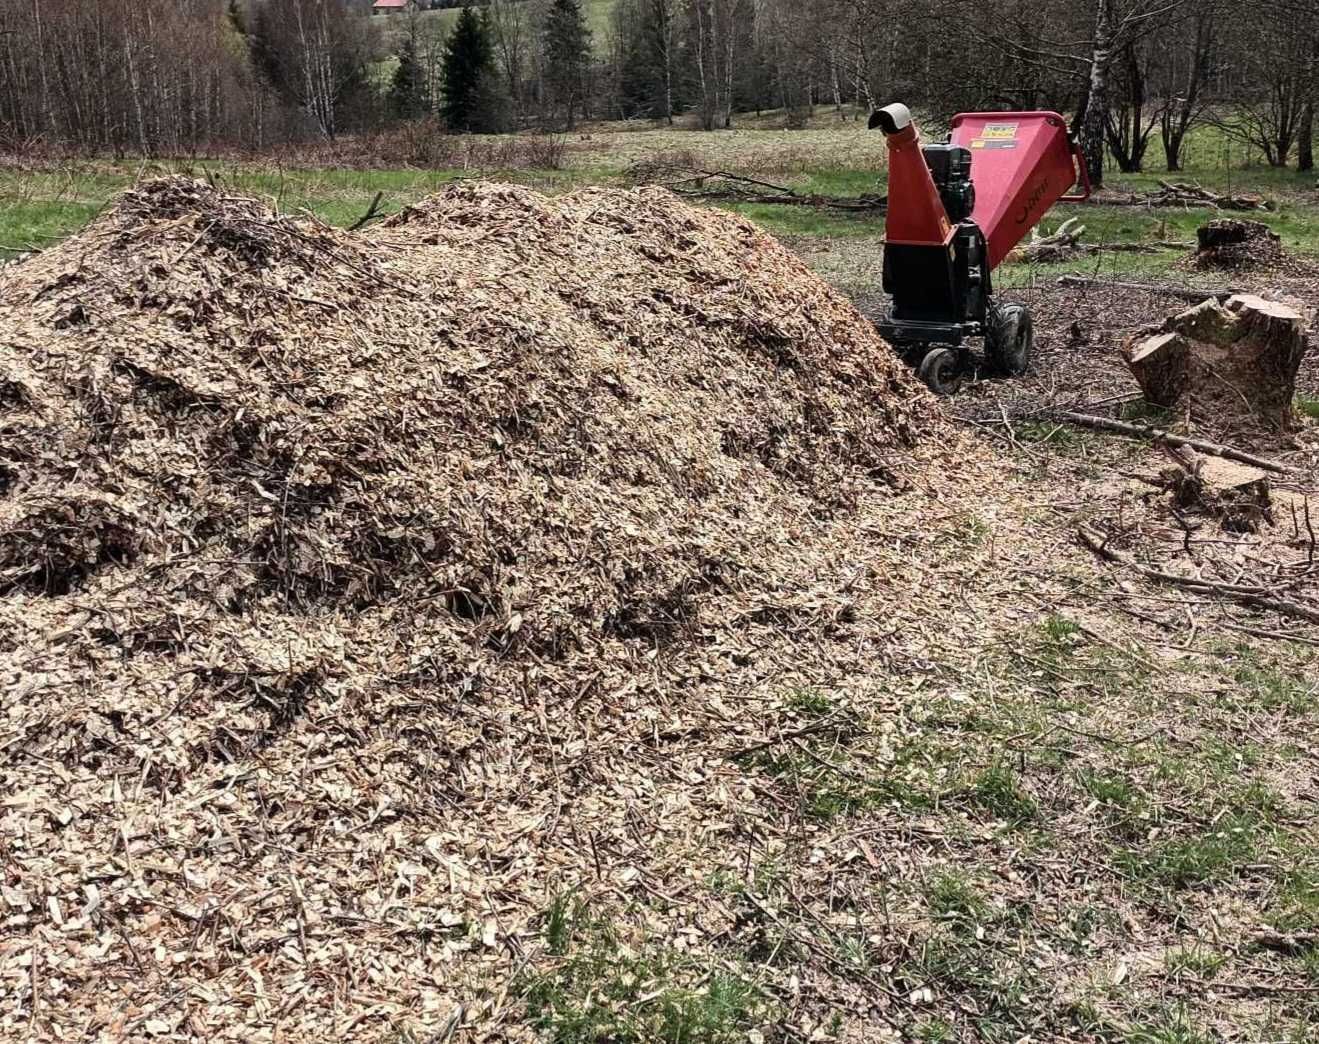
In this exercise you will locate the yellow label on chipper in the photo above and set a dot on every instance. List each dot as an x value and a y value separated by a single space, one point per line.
997 136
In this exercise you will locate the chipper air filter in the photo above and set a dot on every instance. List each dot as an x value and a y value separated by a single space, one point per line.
955 211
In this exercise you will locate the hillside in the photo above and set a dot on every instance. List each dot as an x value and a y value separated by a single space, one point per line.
597 14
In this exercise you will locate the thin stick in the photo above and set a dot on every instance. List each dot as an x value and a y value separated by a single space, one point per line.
1144 431
1237 594
1181 293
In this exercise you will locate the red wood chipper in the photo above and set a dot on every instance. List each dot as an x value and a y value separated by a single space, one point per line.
955 211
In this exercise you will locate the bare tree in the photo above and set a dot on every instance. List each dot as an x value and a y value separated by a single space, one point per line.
1186 65
1276 85
510 23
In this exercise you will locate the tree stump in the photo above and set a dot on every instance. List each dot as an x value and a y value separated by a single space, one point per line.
1237 495
1224 363
1231 242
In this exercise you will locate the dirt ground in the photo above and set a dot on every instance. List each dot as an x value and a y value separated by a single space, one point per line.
1104 828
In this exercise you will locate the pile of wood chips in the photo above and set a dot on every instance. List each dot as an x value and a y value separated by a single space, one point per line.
361 591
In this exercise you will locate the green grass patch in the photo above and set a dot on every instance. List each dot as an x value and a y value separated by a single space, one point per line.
1058 436
934 1031
952 896
1308 405
1194 961
997 791
1216 853
1271 687
808 221
1294 907
598 989
1171 1027
1142 412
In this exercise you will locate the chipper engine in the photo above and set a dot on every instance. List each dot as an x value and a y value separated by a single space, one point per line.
955 211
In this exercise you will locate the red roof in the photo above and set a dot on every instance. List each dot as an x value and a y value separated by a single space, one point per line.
390 5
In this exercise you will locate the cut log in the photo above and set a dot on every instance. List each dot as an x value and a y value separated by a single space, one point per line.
1224 362
1231 242
1237 495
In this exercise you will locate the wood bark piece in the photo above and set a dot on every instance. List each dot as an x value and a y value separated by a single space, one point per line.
1224 361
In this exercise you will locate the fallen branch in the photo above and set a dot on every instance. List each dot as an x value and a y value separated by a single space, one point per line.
1182 293
1186 195
722 184
1145 431
1243 595
372 212
1059 245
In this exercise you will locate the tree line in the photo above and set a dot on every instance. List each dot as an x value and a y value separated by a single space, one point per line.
172 76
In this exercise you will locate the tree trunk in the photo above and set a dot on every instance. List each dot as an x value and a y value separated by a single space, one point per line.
1096 107
1221 363
1305 138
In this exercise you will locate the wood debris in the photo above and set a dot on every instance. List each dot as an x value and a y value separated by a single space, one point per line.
699 183
360 591
1189 195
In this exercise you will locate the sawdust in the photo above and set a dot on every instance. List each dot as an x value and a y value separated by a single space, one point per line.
359 590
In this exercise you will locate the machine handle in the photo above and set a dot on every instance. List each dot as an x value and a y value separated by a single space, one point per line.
1083 176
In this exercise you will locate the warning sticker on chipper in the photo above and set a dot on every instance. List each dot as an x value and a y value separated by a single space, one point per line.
997 136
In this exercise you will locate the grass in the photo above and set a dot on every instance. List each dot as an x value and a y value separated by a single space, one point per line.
1195 960
832 158
997 790
1210 855
597 988
952 896
1171 1027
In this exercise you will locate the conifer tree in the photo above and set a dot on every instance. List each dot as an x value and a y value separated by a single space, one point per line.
567 57
407 94
469 76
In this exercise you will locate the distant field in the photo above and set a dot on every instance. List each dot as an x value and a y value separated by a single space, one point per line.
834 155
597 15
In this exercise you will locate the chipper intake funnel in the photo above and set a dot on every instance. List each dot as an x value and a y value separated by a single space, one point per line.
1022 163
955 211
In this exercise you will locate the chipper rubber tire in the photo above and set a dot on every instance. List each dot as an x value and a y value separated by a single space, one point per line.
1010 340
941 370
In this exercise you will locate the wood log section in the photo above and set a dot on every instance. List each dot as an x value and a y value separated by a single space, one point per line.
1229 242
1224 363
1237 495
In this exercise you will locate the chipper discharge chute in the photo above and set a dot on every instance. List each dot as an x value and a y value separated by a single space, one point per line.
955 211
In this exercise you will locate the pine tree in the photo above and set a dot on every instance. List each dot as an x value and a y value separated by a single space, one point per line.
567 56
469 75
407 94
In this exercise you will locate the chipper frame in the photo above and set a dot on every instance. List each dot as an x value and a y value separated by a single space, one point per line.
955 211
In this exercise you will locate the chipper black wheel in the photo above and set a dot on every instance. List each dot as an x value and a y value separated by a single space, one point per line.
1009 340
941 369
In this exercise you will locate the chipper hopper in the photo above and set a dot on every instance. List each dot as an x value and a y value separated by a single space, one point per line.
955 211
